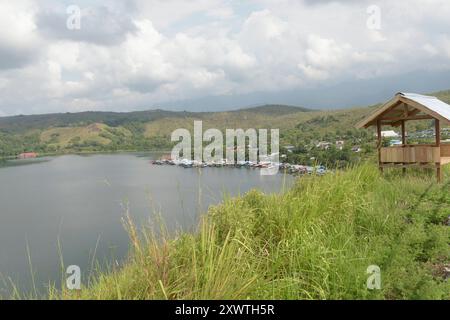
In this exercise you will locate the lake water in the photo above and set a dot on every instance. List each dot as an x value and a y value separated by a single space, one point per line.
76 203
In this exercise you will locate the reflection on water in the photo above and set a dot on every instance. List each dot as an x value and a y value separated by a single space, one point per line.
74 205
24 162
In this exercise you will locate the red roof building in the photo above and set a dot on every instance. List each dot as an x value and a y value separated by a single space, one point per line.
27 155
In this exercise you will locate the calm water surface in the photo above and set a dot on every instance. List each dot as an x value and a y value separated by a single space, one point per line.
79 201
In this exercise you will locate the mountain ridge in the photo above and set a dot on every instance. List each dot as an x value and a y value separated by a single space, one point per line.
18 123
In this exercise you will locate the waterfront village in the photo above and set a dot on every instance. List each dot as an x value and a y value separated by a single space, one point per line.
289 161
283 167
390 138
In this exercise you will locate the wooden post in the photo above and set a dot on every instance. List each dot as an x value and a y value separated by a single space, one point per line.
404 139
403 133
438 173
437 132
379 144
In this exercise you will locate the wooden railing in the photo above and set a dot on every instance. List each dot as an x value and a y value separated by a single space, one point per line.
412 154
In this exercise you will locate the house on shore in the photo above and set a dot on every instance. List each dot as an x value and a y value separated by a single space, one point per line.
340 144
324 145
389 134
27 155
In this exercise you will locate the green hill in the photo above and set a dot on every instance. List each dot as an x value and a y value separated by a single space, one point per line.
23 123
108 131
274 109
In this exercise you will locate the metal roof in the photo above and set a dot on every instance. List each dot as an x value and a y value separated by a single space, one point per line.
429 105
430 102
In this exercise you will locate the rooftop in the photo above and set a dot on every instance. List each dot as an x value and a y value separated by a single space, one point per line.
408 106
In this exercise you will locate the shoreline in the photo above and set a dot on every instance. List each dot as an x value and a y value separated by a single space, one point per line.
289 168
56 154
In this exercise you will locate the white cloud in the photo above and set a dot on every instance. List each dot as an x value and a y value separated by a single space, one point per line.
326 53
18 36
158 51
263 26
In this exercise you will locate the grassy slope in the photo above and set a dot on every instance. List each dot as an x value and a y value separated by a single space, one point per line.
63 136
224 120
97 132
283 117
163 127
313 242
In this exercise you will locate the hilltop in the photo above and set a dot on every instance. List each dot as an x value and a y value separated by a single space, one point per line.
23 123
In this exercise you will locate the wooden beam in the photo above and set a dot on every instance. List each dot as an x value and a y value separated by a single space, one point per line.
404 136
437 132
414 112
379 134
379 143
371 119
424 117
403 133
437 129
411 113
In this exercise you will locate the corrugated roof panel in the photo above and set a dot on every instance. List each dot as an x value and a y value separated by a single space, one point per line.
431 103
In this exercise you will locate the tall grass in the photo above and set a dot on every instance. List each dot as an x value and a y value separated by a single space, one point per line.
312 242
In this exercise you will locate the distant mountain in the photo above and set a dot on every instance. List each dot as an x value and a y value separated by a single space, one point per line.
23 123
275 109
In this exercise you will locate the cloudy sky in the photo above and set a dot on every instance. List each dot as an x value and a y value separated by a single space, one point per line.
217 54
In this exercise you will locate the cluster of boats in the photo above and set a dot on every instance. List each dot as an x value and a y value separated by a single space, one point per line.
301 169
283 167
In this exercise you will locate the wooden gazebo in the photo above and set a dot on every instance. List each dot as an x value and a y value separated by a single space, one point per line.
404 107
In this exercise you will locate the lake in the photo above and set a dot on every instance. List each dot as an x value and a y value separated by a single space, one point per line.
74 205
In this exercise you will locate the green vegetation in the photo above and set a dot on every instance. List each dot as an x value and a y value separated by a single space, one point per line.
133 131
314 241
150 130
